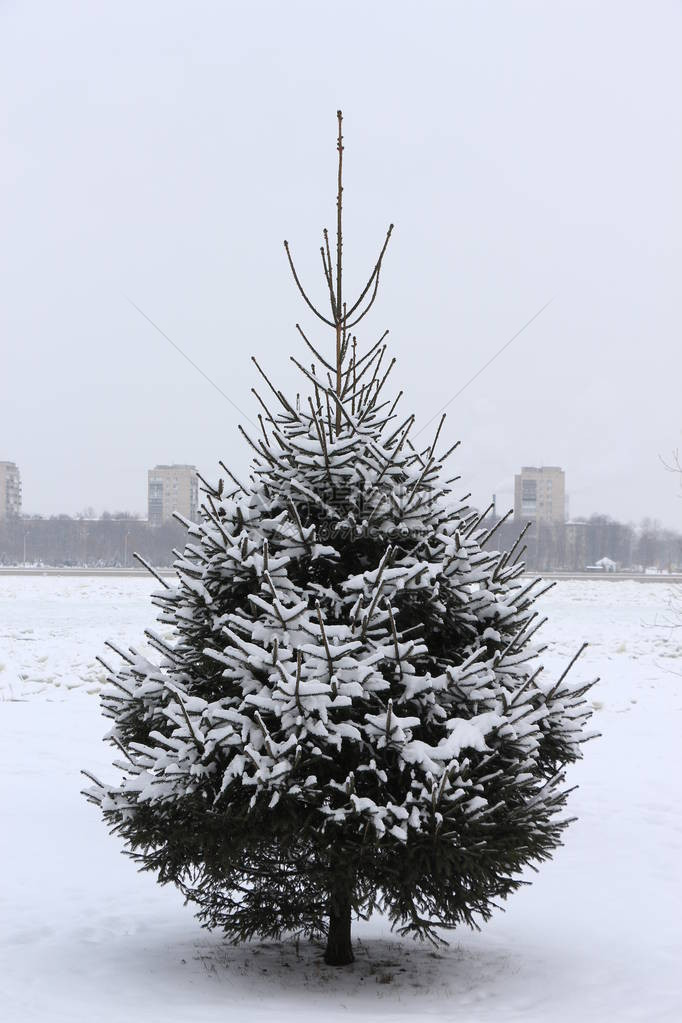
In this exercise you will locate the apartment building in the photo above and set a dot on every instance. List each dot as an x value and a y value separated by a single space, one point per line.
10 490
172 488
540 494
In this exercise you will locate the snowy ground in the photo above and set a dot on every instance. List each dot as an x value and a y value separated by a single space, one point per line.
598 936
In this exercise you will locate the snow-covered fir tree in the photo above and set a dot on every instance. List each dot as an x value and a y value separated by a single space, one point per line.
350 713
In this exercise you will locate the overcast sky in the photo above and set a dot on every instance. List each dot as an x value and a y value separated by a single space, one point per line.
161 152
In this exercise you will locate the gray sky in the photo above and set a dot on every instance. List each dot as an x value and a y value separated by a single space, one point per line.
162 151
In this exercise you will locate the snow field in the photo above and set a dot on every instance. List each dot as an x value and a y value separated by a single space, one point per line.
82 935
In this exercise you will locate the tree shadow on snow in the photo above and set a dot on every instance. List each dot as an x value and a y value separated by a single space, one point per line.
385 969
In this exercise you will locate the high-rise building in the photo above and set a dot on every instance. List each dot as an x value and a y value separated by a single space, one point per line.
172 488
540 494
10 490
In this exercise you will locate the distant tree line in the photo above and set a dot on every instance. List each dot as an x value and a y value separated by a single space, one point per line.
579 544
66 541
109 541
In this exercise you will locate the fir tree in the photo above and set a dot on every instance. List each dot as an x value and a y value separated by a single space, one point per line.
350 714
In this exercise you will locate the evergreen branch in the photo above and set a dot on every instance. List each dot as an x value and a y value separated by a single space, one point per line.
372 404
263 405
394 633
406 423
106 667
372 350
117 650
215 519
393 406
176 692
330 323
91 777
375 272
325 234
314 350
491 532
323 444
152 571
344 336
358 376
478 519
278 394
377 366
252 444
341 409
328 279
264 431
371 302
207 488
447 454
299 524
575 657
330 661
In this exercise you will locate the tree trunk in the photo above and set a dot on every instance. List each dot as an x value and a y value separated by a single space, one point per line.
339 951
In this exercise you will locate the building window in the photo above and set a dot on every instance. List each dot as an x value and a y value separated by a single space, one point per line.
529 496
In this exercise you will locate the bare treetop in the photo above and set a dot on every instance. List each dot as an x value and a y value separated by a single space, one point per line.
343 317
